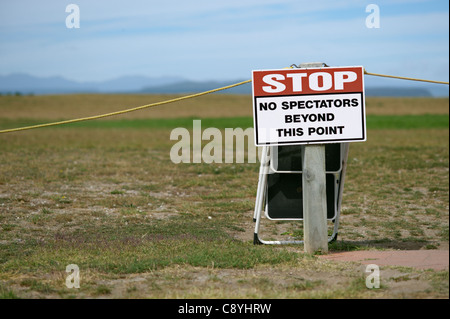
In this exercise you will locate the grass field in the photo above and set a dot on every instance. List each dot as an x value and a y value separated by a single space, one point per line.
105 196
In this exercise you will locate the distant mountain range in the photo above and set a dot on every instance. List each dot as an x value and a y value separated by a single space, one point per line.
26 84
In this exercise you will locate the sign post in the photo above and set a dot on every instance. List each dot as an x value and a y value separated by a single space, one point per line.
314 199
310 106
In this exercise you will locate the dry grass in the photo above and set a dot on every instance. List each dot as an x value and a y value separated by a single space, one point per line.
209 106
406 106
74 106
111 201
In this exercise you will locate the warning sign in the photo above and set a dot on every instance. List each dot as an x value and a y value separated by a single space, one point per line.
309 106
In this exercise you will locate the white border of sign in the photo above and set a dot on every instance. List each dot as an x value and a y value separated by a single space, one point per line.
313 119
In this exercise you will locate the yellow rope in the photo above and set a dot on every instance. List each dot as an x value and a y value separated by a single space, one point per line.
404 78
95 117
123 111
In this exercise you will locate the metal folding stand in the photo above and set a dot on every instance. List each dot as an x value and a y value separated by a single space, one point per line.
271 164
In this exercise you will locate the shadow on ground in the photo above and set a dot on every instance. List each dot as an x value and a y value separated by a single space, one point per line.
385 243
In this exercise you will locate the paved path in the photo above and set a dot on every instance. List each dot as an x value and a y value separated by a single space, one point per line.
421 259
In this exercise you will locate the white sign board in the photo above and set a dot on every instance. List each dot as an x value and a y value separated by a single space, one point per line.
309 106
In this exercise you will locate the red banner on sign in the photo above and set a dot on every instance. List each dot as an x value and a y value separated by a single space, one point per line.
308 81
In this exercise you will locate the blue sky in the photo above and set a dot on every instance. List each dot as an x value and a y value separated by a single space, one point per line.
221 40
